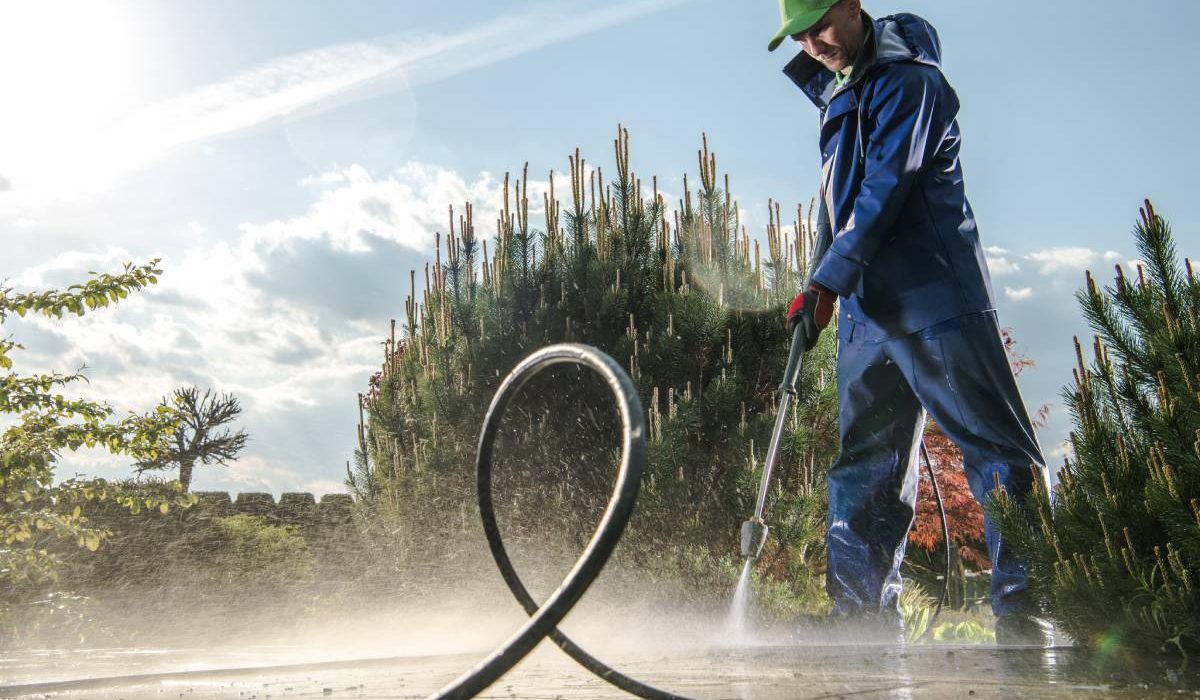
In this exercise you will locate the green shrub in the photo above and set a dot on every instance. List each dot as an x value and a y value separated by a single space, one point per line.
965 632
1116 560
916 609
693 310
43 523
253 553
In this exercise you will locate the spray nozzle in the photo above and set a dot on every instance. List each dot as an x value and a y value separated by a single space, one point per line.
754 536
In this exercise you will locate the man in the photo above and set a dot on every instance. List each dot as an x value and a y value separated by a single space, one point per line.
917 329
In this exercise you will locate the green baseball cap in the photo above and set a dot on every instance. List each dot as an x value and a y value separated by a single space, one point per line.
797 16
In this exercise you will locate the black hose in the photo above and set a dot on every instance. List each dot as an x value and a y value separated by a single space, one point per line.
544 619
937 497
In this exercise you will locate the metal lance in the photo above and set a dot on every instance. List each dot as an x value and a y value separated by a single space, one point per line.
754 530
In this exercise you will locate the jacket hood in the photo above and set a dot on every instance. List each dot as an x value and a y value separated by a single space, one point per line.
900 37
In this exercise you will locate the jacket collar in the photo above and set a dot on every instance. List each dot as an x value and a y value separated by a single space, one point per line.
817 81
902 37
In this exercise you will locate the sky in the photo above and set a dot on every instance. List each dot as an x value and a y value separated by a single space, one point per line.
290 160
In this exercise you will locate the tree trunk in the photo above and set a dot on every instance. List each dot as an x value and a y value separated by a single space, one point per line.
185 475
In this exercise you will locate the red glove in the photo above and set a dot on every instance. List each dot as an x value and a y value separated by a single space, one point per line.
813 310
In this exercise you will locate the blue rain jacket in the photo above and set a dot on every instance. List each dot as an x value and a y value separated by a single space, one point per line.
905 251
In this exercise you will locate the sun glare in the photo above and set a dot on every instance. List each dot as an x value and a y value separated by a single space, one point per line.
67 70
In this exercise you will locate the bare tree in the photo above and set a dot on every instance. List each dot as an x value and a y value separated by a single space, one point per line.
200 436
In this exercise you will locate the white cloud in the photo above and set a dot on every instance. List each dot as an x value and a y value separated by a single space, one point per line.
69 266
289 317
323 486
407 207
82 156
253 474
1018 294
1063 258
998 261
1002 266
1062 450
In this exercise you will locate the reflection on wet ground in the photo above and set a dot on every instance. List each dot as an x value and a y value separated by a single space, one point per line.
759 672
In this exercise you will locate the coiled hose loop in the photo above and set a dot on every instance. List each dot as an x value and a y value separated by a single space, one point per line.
544 619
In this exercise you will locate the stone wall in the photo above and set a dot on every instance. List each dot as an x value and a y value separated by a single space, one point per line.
157 550
300 509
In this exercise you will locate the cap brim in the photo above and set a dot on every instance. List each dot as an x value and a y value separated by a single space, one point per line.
795 25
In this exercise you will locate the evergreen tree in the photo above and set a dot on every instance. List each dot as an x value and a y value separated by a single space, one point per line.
1116 560
686 300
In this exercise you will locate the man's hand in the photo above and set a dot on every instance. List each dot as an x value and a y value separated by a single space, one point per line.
812 310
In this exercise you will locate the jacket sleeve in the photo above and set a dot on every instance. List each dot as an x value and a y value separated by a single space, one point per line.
910 111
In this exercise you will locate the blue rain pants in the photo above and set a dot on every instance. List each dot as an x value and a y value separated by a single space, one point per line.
956 370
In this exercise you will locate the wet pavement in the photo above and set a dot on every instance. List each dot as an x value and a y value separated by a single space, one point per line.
756 672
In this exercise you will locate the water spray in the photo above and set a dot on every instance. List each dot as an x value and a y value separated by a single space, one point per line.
545 617
754 531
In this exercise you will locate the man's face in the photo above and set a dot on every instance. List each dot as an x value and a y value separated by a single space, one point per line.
837 37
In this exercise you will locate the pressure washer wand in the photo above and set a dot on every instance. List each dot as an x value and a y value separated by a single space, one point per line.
754 530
